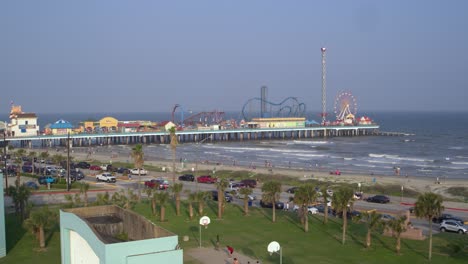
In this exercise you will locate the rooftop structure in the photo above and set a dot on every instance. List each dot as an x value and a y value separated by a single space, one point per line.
110 234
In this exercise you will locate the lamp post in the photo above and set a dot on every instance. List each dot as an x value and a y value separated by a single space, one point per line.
274 247
401 198
5 173
68 161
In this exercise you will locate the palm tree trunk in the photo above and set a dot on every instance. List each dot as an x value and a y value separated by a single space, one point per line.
398 244
163 213
220 205
190 210
200 208
344 225
86 199
274 211
173 165
139 183
306 222
153 206
178 204
246 206
430 239
368 238
325 214
41 237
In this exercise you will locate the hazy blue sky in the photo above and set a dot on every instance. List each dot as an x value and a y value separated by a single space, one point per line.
144 56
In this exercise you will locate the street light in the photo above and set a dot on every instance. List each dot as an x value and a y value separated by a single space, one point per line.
401 198
5 172
274 247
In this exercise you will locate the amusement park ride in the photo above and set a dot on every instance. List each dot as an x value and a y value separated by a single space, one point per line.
205 118
345 108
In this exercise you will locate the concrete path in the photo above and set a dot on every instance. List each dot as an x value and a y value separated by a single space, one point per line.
221 256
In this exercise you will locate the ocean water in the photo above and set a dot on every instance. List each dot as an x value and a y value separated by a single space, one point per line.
437 146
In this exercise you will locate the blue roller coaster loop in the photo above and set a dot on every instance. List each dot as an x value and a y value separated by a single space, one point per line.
292 109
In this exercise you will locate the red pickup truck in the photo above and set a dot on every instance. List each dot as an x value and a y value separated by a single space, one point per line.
157 183
206 179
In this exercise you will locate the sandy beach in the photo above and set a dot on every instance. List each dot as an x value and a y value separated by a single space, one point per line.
420 184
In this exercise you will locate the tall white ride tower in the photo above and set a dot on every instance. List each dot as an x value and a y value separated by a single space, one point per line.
324 95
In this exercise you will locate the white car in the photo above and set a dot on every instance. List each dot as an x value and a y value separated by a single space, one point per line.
106 177
310 209
138 171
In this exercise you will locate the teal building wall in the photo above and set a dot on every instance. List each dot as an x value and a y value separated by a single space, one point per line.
155 250
2 220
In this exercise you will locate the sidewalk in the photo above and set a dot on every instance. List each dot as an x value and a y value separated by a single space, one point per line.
221 256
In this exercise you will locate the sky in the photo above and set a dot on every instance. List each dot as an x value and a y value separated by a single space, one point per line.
146 56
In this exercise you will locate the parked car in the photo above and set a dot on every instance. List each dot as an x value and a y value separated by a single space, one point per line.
106 177
453 226
95 167
292 189
227 196
106 167
122 170
76 175
321 208
31 185
357 196
187 177
444 217
386 217
159 183
310 209
378 199
27 169
206 179
139 171
336 172
83 165
249 183
278 205
234 186
46 179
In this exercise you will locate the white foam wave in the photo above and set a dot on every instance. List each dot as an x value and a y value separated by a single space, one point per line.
312 142
456 148
308 155
459 163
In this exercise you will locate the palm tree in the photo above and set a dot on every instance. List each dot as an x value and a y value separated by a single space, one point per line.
429 205
305 195
44 156
20 153
325 196
271 191
18 161
150 194
39 221
221 186
342 199
372 220
397 226
191 197
138 160
102 199
84 188
163 198
58 158
245 192
174 143
201 197
176 189
32 155
20 195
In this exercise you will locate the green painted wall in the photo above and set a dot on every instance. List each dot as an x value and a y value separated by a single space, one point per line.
2 220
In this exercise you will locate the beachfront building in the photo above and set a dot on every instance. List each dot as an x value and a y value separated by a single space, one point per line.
166 125
61 127
22 124
128 126
277 122
112 235
108 124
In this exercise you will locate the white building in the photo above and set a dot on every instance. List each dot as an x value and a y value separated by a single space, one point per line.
22 124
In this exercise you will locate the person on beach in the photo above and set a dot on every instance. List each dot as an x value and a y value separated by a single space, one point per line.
235 261
230 250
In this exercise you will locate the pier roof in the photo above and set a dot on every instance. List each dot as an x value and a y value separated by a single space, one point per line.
61 124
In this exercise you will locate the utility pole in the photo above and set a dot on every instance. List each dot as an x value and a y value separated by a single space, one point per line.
68 162
5 172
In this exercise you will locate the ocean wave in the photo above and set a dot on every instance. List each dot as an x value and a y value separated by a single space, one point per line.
382 161
461 157
456 148
388 156
459 163
309 155
312 142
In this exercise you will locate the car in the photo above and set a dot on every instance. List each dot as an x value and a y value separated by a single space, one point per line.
443 217
310 209
187 177
378 199
106 167
386 217
206 179
249 183
27 169
357 196
139 171
235 186
95 167
278 205
250 197
83 165
453 226
106 177
336 172
292 189
227 196
321 209
76 175
46 180
31 185
159 183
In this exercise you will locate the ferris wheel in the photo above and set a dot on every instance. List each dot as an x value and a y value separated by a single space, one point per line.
345 106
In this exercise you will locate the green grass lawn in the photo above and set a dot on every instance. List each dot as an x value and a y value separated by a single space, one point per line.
251 235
